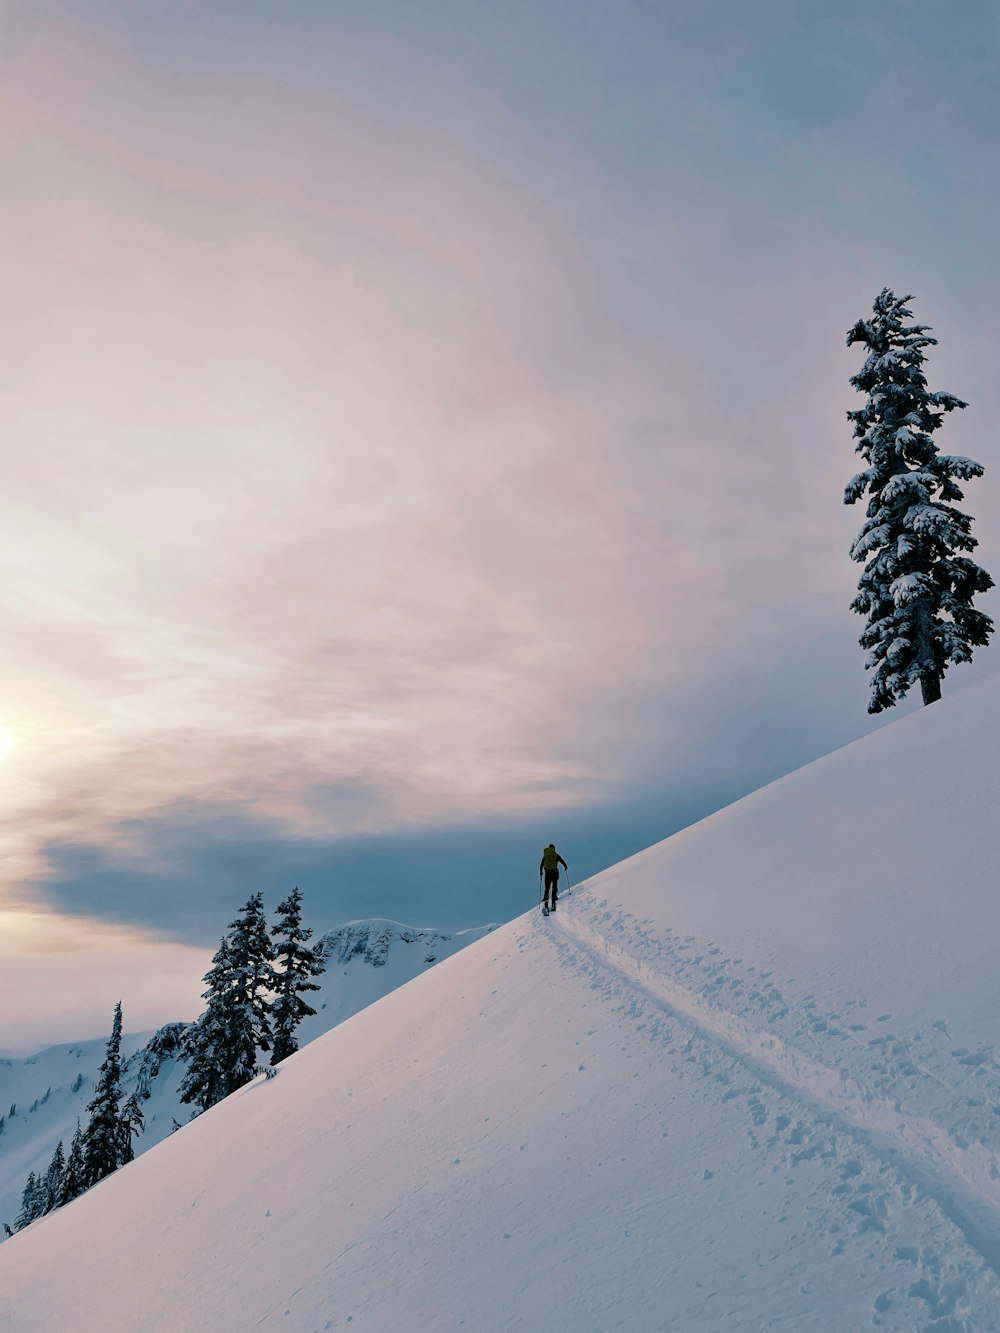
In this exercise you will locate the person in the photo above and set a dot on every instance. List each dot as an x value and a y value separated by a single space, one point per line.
550 863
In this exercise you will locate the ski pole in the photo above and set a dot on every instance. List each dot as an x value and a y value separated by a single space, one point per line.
539 888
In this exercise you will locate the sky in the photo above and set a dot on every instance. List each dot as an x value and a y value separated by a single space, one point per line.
424 438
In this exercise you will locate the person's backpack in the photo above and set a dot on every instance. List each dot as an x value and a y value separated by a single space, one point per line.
550 857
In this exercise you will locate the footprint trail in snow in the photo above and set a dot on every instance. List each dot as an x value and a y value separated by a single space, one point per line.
895 1134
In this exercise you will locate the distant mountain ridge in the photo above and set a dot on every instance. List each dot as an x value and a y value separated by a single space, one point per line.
42 1095
373 939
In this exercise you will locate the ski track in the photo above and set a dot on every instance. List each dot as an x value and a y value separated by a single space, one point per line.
946 1150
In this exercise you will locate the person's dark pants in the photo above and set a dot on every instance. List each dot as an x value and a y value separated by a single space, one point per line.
551 886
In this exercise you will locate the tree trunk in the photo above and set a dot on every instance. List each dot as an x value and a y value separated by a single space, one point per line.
930 679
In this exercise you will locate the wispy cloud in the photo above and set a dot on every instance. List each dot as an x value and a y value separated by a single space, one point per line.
406 427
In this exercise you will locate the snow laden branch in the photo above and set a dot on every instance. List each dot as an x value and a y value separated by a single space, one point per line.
916 593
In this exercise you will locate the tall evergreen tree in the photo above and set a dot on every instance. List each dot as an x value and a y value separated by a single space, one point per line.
73 1181
221 1047
915 589
296 964
102 1139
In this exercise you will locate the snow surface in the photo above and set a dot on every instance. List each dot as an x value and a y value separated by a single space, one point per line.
49 1090
745 1080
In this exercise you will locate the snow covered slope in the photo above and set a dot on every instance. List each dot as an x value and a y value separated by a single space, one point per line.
743 1081
43 1096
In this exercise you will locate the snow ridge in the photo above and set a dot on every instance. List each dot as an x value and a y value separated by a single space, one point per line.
372 940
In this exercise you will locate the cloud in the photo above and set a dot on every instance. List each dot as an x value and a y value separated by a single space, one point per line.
288 522
73 992
184 873
391 453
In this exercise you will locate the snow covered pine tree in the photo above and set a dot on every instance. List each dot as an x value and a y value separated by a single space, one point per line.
32 1202
132 1123
915 590
53 1177
221 1047
72 1181
101 1138
297 963
205 1042
107 1140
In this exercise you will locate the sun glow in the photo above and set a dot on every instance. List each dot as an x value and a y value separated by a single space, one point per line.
6 743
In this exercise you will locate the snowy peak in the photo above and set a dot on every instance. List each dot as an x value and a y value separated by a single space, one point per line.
372 941
368 959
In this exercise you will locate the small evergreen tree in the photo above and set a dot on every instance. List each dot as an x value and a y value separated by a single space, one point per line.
102 1139
205 1042
26 1214
253 977
32 1201
53 1178
132 1122
915 590
221 1047
296 964
73 1181
41 1196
